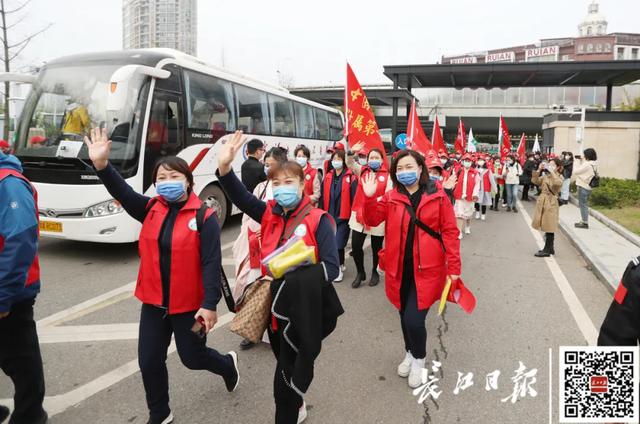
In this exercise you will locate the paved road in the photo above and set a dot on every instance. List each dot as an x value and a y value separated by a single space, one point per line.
526 306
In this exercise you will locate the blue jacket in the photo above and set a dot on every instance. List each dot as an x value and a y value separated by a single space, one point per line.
18 236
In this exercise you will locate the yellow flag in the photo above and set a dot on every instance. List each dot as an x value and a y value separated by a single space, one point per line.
445 294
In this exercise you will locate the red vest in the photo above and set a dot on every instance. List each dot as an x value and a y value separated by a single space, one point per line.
310 175
33 276
471 182
345 193
273 228
430 263
185 286
381 187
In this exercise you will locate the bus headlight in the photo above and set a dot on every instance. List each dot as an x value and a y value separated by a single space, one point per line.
110 207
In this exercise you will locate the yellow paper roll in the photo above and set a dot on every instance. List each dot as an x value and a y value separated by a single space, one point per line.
443 298
297 254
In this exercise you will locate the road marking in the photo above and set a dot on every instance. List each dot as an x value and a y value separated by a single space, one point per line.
88 333
578 312
60 403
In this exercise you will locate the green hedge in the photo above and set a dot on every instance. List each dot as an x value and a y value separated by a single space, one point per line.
614 193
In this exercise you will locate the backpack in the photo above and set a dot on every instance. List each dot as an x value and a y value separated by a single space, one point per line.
595 180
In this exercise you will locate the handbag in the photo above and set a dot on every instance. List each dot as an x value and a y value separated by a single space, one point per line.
595 180
252 311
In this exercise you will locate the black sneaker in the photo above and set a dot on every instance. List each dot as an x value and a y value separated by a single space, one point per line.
4 413
246 344
375 279
515 209
581 225
166 420
542 254
233 381
508 208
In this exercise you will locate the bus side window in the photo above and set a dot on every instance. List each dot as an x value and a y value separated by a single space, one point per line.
304 121
164 135
253 111
335 127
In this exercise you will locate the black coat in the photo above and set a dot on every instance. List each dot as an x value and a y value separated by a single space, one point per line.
527 172
252 173
299 300
621 326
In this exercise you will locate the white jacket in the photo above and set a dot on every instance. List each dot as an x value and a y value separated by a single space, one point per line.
583 172
511 174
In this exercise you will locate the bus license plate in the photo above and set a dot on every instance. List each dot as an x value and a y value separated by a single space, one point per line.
51 227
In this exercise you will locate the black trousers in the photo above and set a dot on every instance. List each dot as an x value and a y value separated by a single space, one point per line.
477 207
357 242
413 322
21 361
288 401
155 333
525 191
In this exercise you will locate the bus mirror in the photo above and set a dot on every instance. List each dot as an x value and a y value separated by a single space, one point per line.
119 83
15 77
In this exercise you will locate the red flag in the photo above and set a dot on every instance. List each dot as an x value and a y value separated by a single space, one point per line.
436 136
521 149
460 138
361 122
504 139
416 138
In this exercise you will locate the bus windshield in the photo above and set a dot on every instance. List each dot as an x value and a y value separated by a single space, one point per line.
65 103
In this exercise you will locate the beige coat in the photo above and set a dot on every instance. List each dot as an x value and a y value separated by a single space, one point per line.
546 215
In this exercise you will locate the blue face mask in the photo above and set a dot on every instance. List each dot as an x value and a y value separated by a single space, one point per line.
171 191
407 178
435 177
302 161
375 164
337 164
287 195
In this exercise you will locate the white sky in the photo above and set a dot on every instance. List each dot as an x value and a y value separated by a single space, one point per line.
311 40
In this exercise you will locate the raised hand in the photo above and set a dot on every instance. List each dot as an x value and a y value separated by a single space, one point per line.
450 182
357 147
99 147
228 152
369 185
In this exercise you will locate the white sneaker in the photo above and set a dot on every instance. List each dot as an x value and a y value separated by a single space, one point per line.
415 375
343 268
483 217
340 277
477 215
467 230
460 236
405 366
379 271
302 412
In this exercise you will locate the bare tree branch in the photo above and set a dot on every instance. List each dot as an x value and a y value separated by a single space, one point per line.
18 21
22 6
29 38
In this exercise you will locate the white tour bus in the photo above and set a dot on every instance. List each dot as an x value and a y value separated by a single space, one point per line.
154 102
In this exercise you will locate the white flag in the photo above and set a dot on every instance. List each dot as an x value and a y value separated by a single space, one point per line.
536 145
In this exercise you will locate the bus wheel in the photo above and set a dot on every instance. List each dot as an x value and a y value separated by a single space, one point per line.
214 197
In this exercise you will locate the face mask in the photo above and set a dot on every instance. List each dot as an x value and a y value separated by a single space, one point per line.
375 164
287 195
552 167
337 164
466 164
510 162
362 161
171 190
407 178
443 161
567 157
458 157
302 161
481 163
435 177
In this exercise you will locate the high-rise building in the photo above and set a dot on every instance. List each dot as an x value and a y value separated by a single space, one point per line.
160 23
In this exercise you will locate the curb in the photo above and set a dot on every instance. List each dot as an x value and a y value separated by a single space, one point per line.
631 237
598 268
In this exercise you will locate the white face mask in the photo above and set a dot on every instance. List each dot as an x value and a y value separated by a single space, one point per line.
552 167
481 163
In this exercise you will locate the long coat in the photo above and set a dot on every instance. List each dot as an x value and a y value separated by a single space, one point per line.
546 215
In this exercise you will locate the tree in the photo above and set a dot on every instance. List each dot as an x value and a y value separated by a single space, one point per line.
631 106
12 50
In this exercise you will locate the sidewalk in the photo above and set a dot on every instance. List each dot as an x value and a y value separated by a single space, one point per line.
604 249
